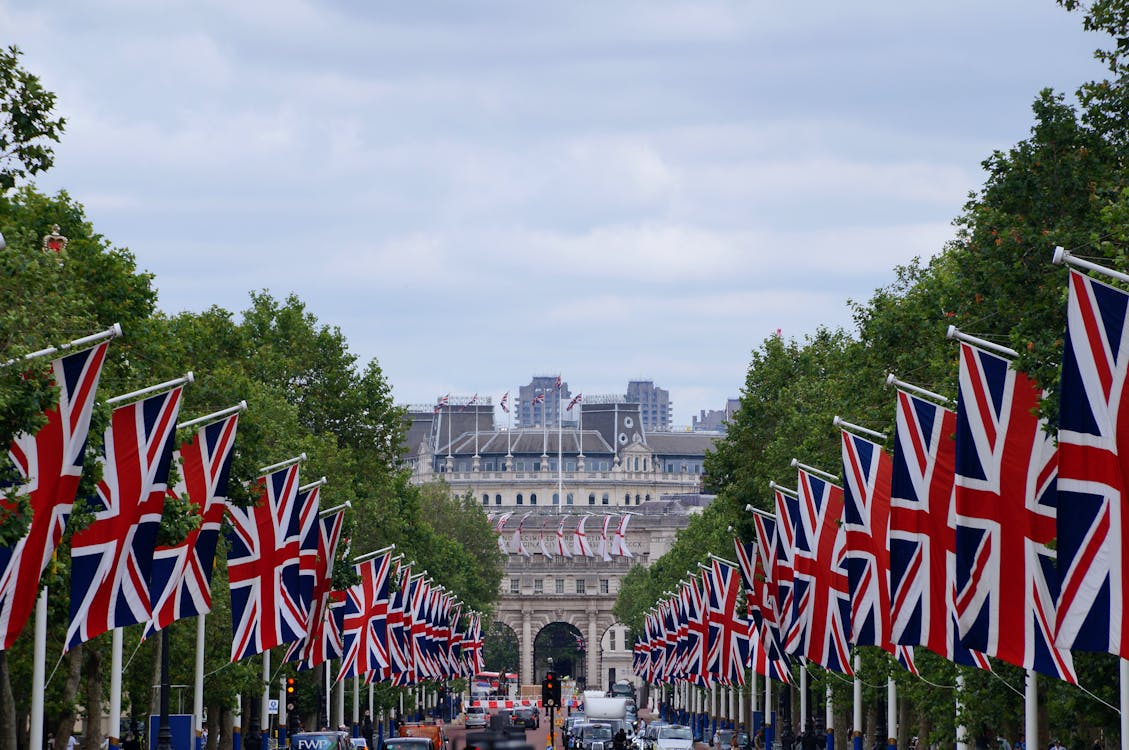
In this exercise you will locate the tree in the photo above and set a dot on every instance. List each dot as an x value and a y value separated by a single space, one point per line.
26 123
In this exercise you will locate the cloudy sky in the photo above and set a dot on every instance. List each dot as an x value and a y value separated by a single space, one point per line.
481 190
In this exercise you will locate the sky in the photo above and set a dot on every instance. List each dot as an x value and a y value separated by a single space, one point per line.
476 192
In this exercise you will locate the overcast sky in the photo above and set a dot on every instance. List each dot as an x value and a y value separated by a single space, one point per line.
477 191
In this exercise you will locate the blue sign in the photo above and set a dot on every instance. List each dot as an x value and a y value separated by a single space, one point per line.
183 735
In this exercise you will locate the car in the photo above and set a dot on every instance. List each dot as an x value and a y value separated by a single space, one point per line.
622 689
359 743
646 740
525 717
673 737
476 717
407 743
322 741
571 721
593 736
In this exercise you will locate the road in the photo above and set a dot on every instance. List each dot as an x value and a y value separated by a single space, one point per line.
537 739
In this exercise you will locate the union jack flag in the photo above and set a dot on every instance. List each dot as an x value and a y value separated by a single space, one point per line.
820 588
787 516
309 535
322 640
575 400
182 573
477 662
50 463
1006 584
538 399
506 402
366 621
1093 527
112 558
557 385
263 568
420 604
922 538
657 657
766 655
580 546
729 630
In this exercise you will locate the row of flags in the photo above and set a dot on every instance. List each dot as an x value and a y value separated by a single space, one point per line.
281 549
606 547
978 537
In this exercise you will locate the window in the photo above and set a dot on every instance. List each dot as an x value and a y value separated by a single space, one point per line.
556 499
515 585
636 498
570 465
580 585
592 498
604 499
538 586
568 499
532 498
485 499
520 499
627 499
497 500
560 586
604 586
647 498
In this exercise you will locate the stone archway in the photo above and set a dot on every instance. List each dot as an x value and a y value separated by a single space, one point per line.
562 642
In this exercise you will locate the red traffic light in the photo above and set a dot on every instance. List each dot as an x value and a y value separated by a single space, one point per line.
291 685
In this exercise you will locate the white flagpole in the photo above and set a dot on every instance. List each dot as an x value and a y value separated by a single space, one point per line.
768 706
114 741
1031 709
509 431
560 465
891 708
356 699
856 718
829 715
39 670
266 688
475 405
1123 669
803 699
580 427
962 731
198 690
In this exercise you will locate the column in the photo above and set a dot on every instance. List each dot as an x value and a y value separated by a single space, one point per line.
594 679
527 675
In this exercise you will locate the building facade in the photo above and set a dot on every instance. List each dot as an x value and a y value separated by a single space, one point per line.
654 404
552 491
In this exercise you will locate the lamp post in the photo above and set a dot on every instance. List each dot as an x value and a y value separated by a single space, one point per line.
787 737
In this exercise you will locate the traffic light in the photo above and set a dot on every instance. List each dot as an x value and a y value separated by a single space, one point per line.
550 691
291 689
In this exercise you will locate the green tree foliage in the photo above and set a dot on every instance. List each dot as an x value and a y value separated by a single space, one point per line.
26 123
1062 185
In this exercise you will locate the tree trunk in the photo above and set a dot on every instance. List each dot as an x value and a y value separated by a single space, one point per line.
224 728
215 725
841 726
92 689
154 697
7 707
904 718
65 728
870 719
23 724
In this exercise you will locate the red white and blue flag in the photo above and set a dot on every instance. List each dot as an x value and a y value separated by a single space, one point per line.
766 656
922 537
1093 524
50 463
1006 465
322 640
820 589
112 558
263 568
182 573
505 404
538 399
787 515
575 400
365 629
309 534
729 628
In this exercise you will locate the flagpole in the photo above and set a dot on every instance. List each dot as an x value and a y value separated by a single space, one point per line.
166 386
891 710
198 690
1031 709
1123 670
39 670
266 689
962 731
856 733
560 451
112 332
113 741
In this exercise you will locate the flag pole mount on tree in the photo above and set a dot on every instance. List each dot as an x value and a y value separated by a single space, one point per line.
165 386
845 425
240 407
892 379
955 334
335 508
311 485
112 332
1063 256
375 553
782 490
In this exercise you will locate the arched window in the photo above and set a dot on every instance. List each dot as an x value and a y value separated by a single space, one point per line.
568 499
485 499
532 498
556 499
647 498
636 463
497 499
604 499
591 498
627 499
520 500
636 498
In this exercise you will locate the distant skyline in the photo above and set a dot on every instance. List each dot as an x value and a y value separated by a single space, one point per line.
479 192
